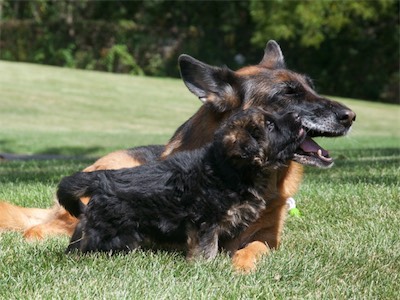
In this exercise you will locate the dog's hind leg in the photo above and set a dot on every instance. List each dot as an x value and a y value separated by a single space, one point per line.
17 218
59 222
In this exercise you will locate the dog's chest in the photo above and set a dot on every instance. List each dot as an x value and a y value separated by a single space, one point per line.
240 215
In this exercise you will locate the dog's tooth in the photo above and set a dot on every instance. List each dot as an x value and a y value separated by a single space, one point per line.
319 152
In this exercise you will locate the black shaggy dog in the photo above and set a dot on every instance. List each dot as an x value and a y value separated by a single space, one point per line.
195 197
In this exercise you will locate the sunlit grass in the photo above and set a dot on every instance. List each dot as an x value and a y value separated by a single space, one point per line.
47 109
344 246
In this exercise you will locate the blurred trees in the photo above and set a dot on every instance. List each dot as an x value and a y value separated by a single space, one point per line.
103 35
351 48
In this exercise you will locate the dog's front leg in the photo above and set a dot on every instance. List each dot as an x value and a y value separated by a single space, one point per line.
260 237
202 242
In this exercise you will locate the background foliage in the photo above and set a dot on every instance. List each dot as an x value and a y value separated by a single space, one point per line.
350 47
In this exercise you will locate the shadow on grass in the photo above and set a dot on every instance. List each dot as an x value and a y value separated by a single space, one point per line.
71 151
370 166
44 171
366 153
362 166
50 153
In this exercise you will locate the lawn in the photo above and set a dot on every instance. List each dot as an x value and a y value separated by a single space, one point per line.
345 245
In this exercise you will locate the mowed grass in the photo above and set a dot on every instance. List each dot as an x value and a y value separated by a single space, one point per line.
344 246
46 109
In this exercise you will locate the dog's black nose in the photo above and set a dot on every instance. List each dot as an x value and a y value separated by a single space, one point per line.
295 116
347 117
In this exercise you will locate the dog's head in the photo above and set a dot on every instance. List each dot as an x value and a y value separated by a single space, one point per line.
268 85
254 137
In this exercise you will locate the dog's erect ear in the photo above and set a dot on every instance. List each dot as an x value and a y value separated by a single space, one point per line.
273 57
213 85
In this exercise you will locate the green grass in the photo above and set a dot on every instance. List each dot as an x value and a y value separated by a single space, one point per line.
345 245
47 109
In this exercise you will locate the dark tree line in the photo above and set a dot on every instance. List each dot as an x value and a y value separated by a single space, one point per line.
351 48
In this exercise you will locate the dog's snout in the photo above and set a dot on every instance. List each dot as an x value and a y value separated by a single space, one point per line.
347 117
295 116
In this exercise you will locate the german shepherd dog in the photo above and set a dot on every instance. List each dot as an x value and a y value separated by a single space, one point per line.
197 196
269 85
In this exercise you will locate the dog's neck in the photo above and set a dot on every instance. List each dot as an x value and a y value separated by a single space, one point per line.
235 173
196 132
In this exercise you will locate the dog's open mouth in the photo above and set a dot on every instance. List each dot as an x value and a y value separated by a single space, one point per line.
310 153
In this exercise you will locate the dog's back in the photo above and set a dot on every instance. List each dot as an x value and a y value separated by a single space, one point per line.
188 195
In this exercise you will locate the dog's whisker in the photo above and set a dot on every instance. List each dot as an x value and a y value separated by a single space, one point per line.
76 241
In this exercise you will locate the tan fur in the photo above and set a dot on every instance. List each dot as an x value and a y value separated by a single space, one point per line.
245 259
18 218
203 124
37 224
59 222
259 237
267 230
246 71
250 245
114 160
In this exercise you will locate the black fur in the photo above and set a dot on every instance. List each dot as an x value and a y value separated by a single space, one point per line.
143 154
194 197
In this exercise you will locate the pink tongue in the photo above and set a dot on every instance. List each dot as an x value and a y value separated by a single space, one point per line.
310 146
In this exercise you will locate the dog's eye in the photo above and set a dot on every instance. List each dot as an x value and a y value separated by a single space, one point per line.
293 90
270 126
290 90
255 131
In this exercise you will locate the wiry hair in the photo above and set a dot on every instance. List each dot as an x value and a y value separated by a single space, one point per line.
195 197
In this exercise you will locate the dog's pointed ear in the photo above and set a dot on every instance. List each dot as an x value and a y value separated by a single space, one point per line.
214 86
273 56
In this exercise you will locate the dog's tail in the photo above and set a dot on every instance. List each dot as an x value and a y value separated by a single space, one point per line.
72 188
13 217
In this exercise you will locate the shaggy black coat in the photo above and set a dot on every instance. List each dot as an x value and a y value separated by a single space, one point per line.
193 197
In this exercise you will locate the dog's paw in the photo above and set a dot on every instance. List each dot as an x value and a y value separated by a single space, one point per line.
34 233
245 260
